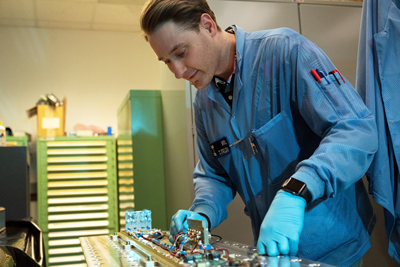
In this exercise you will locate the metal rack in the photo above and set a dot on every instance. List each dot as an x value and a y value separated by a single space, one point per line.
77 194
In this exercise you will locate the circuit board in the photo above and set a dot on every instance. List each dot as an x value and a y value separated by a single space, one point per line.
139 245
132 249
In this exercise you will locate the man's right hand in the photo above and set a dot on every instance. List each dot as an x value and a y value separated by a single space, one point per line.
179 222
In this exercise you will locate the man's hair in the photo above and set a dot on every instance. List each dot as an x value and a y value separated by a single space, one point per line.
185 13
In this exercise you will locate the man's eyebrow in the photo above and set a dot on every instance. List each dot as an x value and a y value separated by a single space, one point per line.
172 50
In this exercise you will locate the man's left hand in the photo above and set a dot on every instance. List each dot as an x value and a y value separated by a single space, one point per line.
281 228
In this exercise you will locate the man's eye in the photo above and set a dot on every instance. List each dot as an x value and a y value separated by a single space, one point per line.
181 54
167 62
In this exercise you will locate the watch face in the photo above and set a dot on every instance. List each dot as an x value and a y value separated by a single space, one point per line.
295 185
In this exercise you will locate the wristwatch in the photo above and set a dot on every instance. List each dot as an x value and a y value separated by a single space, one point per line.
297 188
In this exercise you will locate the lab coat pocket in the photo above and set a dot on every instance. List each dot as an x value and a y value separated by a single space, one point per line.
276 141
344 99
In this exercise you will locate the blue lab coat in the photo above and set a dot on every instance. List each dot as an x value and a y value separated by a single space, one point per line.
378 83
290 126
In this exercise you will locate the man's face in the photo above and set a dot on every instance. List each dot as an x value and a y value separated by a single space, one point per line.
188 54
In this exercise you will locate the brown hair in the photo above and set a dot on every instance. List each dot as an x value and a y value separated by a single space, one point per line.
186 13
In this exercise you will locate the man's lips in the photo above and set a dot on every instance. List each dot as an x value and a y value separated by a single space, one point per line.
193 75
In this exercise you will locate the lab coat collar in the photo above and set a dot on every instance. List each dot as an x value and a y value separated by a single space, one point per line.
213 92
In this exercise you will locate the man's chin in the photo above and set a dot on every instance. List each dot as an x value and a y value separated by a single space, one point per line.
199 85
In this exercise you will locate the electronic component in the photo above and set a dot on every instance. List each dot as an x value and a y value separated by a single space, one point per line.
135 220
199 230
129 249
195 248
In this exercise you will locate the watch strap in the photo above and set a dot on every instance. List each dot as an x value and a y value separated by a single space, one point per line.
297 188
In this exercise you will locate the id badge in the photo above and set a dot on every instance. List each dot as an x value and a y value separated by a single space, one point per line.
220 147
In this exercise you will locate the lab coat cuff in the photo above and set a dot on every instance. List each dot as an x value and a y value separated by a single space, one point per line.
314 184
208 211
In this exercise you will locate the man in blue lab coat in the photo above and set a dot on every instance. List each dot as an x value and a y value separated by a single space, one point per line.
378 83
276 123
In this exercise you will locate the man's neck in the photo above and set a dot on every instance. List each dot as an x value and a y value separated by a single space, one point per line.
227 58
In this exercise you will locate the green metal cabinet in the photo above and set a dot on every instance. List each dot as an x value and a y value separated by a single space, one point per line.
125 179
141 156
77 194
17 141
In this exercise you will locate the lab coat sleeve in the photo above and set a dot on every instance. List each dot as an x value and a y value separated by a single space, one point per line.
338 115
214 190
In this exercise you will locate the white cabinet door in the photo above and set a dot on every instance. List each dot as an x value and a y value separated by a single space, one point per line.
255 16
335 29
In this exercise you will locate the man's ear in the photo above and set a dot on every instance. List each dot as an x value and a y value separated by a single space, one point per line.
207 23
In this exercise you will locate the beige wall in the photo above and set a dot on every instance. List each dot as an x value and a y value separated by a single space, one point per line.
93 69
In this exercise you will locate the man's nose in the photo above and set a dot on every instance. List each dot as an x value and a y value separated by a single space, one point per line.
178 69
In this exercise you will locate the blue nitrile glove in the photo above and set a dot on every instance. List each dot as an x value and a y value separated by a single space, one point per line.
281 228
179 222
